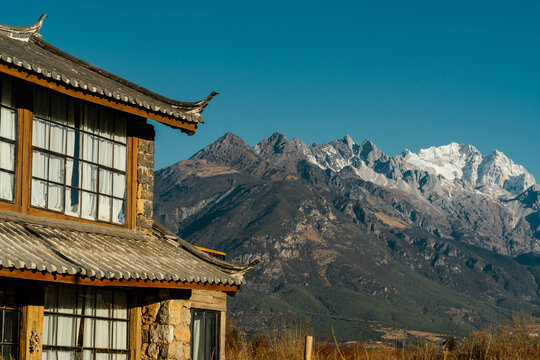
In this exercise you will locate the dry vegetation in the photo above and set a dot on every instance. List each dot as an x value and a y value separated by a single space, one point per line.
518 339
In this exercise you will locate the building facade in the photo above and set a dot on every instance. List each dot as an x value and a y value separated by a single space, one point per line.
85 273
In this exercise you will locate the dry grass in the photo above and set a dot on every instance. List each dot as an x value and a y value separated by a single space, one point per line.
517 340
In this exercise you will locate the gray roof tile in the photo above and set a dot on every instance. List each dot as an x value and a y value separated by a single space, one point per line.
71 248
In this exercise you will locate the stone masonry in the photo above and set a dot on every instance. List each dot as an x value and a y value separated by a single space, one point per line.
145 185
166 327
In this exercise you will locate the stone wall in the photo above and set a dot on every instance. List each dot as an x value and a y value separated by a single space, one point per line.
166 330
145 184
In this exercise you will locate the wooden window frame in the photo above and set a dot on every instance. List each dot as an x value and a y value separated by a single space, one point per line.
23 172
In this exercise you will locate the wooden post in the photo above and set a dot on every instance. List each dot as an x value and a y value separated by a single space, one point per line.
31 332
308 354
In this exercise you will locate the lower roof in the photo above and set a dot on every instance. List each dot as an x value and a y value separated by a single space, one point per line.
66 248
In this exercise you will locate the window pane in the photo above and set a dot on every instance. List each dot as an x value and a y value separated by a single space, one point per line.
88 333
120 157
103 302
67 300
7 186
105 181
119 335
58 108
118 212
120 129
39 164
8 123
58 138
90 148
73 143
90 118
89 177
105 152
55 197
102 356
50 298
7 156
40 133
73 202
88 204
41 102
68 327
49 329
6 91
120 305
87 301
11 326
39 191
119 185
210 336
56 169
73 173
104 208
106 124
197 336
102 333
71 113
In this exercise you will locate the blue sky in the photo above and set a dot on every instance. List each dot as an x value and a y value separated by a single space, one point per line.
403 74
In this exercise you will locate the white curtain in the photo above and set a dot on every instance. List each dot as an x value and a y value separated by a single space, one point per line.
55 198
58 136
104 208
119 185
49 329
7 123
106 124
73 143
73 202
105 181
7 156
120 333
105 152
90 148
39 190
120 158
102 333
6 186
89 177
118 215
6 91
88 206
40 133
56 169
120 130
196 334
39 164
90 119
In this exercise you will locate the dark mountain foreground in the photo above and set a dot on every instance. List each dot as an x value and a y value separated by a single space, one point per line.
359 243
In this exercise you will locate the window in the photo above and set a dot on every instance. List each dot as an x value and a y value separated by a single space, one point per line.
79 158
85 323
9 326
8 140
204 334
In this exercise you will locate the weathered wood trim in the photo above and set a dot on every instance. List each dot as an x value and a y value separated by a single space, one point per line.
188 127
25 161
31 334
131 212
209 300
135 328
132 283
222 333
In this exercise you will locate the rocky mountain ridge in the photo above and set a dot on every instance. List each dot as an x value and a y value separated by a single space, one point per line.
354 239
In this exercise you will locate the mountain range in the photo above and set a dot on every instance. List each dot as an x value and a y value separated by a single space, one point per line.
355 241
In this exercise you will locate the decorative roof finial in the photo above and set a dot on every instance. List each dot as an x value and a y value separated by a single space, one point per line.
23 32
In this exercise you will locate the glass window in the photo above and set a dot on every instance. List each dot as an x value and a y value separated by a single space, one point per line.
79 158
85 323
204 334
8 140
9 328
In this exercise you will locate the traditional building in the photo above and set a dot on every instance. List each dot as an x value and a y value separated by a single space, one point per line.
85 273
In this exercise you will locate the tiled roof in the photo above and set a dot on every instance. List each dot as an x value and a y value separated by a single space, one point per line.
22 47
71 248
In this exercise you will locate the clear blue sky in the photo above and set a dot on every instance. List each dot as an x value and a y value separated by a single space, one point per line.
403 74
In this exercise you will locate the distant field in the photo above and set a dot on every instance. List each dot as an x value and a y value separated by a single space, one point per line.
519 339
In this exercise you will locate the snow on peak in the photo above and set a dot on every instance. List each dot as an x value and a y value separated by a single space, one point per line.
452 161
498 169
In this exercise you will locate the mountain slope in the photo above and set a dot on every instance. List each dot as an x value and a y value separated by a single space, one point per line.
356 240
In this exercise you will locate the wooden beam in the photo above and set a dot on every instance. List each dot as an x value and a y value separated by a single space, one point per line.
31 337
132 283
135 325
185 126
